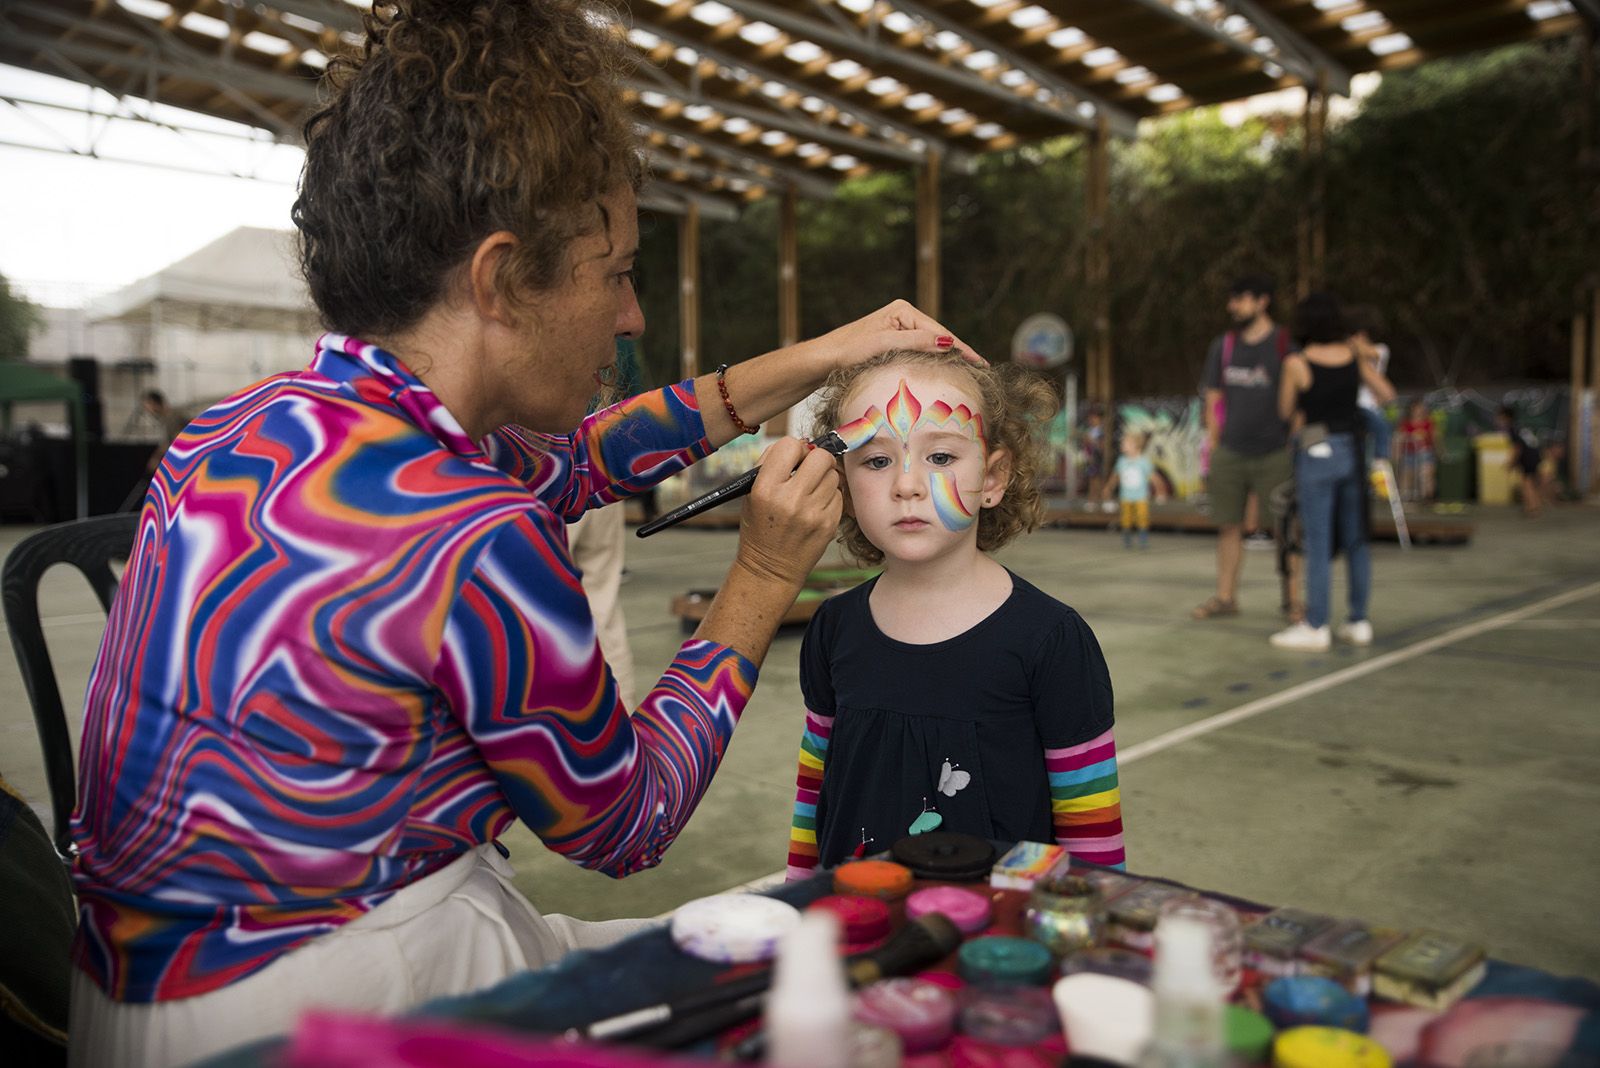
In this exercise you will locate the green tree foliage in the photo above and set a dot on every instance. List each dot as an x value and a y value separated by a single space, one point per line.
1455 208
18 318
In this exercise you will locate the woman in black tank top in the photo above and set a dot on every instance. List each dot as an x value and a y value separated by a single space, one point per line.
1318 390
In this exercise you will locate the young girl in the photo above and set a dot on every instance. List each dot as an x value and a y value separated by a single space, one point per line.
1416 453
947 692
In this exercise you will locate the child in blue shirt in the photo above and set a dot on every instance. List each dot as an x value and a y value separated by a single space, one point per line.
1131 479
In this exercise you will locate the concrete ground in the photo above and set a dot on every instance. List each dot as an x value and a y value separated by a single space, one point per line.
1447 777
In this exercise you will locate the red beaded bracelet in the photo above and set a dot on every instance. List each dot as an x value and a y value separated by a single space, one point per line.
722 387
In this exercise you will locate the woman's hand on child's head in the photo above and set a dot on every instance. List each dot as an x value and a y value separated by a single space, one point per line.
897 325
792 512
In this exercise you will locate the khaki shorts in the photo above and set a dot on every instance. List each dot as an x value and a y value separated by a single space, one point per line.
1235 476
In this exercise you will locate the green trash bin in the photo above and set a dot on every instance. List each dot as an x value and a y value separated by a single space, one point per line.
1453 480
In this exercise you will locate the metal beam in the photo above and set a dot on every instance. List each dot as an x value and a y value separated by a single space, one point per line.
953 75
1122 121
1590 10
211 72
868 115
1289 61
1290 42
788 122
670 198
812 183
335 15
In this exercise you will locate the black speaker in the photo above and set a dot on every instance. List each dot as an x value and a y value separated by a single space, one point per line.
85 370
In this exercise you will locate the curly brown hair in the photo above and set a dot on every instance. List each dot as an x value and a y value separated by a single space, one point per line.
457 119
1017 405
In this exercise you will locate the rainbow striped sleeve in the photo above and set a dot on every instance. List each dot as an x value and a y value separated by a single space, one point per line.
617 452
523 672
1085 802
807 786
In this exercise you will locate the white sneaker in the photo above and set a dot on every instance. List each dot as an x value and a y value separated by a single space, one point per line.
1356 632
1303 637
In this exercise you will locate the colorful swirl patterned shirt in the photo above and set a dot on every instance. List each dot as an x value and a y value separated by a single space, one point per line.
350 645
1004 731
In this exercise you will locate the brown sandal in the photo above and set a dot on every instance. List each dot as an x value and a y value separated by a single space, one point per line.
1215 606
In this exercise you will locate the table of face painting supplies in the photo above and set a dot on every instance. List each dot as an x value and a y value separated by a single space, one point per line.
974 954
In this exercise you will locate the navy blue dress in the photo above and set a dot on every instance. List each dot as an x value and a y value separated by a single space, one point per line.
987 703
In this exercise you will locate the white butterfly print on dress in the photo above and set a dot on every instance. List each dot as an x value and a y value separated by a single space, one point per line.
952 779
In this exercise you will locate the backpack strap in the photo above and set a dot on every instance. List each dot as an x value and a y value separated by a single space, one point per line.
1283 343
1227 349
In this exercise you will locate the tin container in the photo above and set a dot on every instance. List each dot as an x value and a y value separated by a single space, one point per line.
1065 914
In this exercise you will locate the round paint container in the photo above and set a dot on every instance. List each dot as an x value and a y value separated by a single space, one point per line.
1008 1015
1311 1000
922 1014
1327 1047
1109 960
968 910
1003 960
1249 1034
864 921
733 928
872 878
948 856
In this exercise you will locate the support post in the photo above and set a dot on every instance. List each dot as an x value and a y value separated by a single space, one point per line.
928 233
788 288
689 290
1099 388
1582 329
1312 230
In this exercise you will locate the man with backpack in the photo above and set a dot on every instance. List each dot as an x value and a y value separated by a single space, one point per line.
1248 441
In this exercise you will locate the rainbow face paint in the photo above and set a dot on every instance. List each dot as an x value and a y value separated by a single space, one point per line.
900 418
946 497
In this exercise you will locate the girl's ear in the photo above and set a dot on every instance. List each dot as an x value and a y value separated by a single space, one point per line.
996 477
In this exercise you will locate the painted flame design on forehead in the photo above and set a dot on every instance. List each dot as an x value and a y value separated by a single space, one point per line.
903 411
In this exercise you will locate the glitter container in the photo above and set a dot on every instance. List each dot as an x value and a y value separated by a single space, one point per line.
1008 1015
1065 914
922 1014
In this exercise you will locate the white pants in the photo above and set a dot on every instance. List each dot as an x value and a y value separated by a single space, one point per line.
596 542
461 929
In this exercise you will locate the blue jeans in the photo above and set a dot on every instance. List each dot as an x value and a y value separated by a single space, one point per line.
1377 435
1331 487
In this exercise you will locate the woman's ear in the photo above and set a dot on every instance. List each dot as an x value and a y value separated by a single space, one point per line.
483 277
996 477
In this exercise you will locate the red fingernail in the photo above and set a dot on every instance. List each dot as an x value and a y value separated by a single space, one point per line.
811 445
944 341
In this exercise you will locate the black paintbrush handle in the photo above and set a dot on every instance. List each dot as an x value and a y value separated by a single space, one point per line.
726 492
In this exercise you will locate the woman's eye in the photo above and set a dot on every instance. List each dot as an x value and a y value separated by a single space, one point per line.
630 276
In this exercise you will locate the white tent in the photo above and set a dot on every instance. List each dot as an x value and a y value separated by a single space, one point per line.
220 318
245 279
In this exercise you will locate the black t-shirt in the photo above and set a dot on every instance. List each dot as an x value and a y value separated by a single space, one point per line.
987 702
1249 384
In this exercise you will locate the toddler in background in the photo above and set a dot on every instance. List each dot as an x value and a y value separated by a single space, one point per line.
1416 453
1131 479
947 692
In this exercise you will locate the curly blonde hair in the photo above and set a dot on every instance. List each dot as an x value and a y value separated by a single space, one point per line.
457 119
1016 407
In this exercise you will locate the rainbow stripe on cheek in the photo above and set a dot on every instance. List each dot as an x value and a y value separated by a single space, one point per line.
947 502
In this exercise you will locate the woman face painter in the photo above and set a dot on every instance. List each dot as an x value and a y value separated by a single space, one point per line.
350 647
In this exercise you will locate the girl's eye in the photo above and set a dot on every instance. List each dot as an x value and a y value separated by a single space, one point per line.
875 463
941 459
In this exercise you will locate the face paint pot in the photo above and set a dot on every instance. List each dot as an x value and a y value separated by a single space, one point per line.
1008 1015
947 856
968 910
922 1014
873 878
863 920
733 928
1002 960
1065 914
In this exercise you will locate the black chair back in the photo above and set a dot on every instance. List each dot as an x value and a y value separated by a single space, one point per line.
89 545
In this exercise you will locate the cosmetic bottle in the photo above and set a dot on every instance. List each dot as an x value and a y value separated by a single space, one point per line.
808 1018
1188 1031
